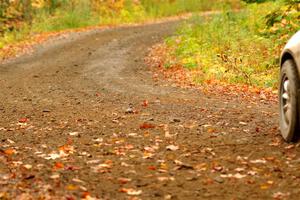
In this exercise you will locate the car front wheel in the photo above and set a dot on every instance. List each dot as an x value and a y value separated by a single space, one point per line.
289 85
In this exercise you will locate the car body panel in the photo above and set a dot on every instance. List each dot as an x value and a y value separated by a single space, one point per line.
292 50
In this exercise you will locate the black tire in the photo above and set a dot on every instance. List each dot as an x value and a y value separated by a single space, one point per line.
289 101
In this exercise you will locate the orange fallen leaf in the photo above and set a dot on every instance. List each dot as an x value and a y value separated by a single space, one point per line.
124 180
145 103
152 168
97 94
146 126
23 120
85 195
109 162
208 181
9 152
66 148
129 147
71 187
271 158
264 187
131 191
58 165
211 130
164 166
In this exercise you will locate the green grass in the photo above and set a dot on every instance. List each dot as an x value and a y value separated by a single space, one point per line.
78 17
64 18
229 47
168 8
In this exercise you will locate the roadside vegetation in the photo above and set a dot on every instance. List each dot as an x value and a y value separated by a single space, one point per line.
240 44
235 47
21 19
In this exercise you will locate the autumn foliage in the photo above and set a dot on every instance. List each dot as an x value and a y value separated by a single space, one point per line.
15 13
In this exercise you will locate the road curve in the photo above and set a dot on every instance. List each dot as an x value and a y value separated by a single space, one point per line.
82 117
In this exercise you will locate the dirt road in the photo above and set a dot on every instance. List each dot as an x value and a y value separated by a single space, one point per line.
82 118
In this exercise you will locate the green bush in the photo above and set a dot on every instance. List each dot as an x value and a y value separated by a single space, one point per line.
283 22
71 16
229 47
20 18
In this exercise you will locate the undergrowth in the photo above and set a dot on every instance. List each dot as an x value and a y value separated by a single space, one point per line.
231 47
64 15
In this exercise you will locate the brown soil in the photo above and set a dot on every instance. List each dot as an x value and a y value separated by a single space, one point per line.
82 118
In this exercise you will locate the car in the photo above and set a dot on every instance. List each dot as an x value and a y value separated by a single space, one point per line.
289 89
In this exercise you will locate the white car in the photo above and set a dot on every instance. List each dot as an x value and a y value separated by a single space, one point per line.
289 90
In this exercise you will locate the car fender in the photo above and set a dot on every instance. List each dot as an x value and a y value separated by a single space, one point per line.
292 50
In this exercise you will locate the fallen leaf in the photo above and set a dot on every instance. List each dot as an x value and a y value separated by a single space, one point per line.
172 147
181 165
71 187
10 141
9 152
52 156
217 168
252 173
201 167
98 94
23 120
280 195
258 161
27 166
55 176
239 169
58 165
93 162
147 155
237 175
74 134
77 180
104 165
211 130
152 168
264 187
290 146
145 103
164 166
147 126
124 180
270 182
131 191
162 178
149 149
